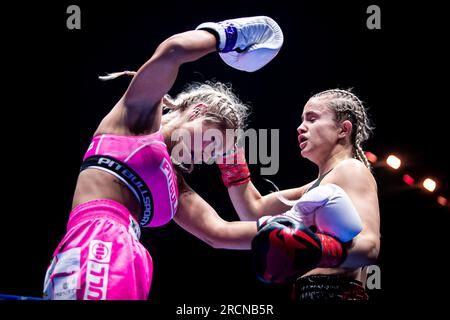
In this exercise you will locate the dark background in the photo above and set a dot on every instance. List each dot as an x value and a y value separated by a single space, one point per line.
53 102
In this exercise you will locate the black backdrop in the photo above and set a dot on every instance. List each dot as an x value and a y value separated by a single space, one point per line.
53 103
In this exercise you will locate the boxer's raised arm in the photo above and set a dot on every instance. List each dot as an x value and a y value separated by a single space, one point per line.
156 77
244 43
139 109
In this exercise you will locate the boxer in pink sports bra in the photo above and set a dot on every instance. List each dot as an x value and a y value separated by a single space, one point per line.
127 179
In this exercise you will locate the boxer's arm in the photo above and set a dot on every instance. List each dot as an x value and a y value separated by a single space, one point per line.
140 109
197 217
246 199
251 205
155 78
359 184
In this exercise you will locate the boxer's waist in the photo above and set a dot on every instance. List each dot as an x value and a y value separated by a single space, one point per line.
107 209
328 287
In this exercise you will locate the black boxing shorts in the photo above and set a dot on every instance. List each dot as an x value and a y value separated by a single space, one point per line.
328 288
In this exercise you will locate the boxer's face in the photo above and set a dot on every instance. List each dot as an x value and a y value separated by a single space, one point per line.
318 132
206 140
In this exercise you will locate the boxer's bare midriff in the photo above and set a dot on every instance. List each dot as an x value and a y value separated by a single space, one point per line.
95 184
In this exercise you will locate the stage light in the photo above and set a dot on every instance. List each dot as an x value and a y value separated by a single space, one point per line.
393 162
442 201
429 184
371 157
408 180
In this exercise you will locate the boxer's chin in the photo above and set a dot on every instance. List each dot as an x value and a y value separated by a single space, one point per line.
306 154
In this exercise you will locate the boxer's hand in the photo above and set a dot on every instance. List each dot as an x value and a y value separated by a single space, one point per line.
329 208
284 249
246 44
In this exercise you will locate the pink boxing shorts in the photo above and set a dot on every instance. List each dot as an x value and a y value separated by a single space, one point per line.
100 257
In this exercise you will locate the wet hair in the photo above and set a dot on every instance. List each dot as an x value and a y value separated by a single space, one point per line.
347 106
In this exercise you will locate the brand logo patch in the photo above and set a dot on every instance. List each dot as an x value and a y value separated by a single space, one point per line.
97 270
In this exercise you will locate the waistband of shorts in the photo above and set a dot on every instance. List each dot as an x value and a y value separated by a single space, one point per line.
329 287
106 208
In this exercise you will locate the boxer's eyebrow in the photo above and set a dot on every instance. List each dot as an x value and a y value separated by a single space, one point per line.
308 114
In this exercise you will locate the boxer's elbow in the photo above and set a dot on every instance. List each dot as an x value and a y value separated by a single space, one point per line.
172 49
370 248
362 251
372 251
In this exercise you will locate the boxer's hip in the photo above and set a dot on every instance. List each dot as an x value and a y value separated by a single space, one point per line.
100 256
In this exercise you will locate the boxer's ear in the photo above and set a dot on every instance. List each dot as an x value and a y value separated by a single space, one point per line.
346 128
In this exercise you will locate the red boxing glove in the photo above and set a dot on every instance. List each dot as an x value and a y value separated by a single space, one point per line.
284 249
333 252
234 168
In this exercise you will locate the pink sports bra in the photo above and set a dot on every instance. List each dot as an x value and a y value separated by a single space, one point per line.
143 164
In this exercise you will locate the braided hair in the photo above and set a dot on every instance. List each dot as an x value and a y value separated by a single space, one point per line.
347 106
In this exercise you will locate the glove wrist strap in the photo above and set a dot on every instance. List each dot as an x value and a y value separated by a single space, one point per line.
225 33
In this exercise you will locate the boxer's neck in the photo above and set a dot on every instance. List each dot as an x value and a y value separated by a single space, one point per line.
332 161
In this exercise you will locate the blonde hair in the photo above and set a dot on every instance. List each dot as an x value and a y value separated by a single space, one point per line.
347 106
222 104
219 105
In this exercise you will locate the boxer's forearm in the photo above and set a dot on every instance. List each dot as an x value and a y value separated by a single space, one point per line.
246 198
216 232
251 205
235 235
190 45
197 217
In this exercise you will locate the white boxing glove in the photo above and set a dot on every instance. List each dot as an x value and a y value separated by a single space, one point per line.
246 44
329 208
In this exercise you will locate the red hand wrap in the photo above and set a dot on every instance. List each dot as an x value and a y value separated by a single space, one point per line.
333 252
234 168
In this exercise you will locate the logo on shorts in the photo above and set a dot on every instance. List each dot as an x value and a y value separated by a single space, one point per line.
100 251
97 270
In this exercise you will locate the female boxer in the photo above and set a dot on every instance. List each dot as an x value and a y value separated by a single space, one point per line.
334 126
127 178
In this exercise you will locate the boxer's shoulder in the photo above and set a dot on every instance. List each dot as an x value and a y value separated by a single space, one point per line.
351 166
351 172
